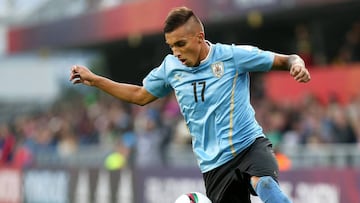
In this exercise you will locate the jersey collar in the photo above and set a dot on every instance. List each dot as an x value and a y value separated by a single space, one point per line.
208 55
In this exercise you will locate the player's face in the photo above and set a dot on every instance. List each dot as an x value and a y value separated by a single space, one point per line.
185 45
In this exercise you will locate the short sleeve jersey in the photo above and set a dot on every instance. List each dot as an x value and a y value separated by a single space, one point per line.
214 99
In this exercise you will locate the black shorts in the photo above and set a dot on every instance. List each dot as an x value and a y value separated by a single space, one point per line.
231 181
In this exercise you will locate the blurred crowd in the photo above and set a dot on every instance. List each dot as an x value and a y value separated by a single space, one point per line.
144 134
92 120
307 45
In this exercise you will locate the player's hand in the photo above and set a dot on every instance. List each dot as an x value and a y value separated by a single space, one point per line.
300 73
81 74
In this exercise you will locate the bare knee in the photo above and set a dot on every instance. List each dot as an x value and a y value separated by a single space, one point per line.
254 180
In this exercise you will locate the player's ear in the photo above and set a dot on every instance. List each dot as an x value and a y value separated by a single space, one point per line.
201 36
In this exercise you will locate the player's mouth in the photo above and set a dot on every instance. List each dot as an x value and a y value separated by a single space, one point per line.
183 61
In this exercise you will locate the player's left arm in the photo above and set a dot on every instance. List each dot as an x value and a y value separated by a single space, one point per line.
294 64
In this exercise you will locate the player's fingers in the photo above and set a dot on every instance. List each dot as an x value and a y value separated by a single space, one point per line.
295 72
72 72
299 75
77 69
73 69
307 78
303 76
76 81
75 77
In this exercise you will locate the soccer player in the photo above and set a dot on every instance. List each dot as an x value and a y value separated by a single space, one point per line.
211 84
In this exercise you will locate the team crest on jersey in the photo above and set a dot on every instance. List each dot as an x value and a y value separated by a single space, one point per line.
218 69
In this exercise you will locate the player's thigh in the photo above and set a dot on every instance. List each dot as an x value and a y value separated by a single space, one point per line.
238 191
261 160
225 188
227 184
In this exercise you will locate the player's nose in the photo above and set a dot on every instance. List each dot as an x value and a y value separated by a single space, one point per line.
175 52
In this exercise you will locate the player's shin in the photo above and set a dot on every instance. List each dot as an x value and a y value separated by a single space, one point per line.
269 191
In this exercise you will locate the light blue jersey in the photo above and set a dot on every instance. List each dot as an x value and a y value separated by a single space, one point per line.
214 99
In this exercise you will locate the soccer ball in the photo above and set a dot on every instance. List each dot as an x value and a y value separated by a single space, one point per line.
192 197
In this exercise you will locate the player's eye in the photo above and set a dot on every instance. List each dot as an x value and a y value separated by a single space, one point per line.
180 44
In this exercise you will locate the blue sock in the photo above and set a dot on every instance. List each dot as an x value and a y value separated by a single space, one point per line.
269 191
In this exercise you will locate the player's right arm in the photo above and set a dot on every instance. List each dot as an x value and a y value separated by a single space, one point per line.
126 92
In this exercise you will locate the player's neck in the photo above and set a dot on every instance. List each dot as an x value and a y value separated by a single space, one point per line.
205 51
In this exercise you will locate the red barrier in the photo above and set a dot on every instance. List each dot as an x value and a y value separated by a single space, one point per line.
326 82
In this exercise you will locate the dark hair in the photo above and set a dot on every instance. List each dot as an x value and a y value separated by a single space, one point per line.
177 17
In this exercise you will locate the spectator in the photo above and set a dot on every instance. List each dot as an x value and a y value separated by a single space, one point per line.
148 139
7 144
349 52
340 126
303 44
